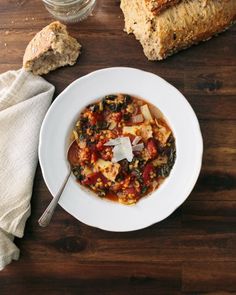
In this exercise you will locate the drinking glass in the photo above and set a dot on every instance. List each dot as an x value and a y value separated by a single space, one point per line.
70 11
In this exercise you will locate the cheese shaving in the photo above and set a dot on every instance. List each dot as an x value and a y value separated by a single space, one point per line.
136 140
122 149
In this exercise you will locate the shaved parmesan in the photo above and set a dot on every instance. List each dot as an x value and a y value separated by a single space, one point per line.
127 147
146 112
118 154
122 150
136 140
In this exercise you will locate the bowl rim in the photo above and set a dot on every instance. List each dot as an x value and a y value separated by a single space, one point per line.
197 130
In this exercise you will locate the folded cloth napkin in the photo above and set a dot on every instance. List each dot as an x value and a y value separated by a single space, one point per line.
24 100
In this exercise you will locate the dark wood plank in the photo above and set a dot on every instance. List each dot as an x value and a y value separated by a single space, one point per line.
89 279
208 81
214 107
209 277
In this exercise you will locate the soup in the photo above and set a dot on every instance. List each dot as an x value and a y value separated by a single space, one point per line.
123 148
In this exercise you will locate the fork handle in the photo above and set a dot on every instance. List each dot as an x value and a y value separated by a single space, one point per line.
45 219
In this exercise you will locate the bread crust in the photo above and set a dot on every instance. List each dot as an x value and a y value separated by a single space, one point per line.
51 48
158 6
179 26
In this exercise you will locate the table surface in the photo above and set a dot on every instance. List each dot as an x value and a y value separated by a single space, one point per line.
191 252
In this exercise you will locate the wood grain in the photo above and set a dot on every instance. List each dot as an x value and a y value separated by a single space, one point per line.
191 252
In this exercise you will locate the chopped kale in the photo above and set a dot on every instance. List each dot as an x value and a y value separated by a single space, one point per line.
164 170
125 166
83 120
127 99
102 125
93 107
111 97
77 171
127 117
144 189
115 107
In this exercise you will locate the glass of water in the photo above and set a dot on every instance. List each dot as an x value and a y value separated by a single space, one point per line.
70 11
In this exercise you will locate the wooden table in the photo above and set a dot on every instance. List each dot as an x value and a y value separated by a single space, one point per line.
191 252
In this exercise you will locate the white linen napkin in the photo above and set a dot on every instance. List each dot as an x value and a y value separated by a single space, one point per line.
24 100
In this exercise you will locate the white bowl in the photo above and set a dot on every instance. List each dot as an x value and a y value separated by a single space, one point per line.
102 213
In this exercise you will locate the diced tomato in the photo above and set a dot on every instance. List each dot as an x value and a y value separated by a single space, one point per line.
147 171
92 178
98 117
93 118
130 190
93 121
152 148
100 145
74 154
117 117
106 153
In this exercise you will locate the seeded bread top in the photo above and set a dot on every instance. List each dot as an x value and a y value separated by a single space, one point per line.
158 6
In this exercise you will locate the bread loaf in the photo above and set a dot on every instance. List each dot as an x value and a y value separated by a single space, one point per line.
166 26
51 48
